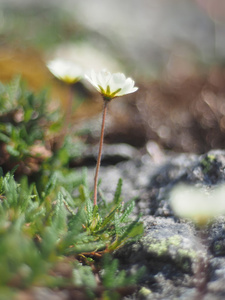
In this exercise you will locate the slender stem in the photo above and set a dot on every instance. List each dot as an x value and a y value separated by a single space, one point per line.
100 152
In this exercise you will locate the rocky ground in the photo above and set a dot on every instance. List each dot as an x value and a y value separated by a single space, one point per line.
184 112
173 251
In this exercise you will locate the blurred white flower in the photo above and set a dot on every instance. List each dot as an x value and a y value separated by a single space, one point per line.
65 70
87 56
111 85
198 204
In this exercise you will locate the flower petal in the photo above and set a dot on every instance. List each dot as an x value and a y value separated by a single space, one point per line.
92 78
128 87
65 70
198 204
103 79
117 81
111 85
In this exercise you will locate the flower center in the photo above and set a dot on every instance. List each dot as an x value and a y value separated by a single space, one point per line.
107 94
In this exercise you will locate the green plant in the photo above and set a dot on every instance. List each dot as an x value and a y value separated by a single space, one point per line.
117 281
51 233
38 231
207 163
31 134
26 127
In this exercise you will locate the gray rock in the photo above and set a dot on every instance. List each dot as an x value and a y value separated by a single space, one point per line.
172 244
204 170
176 255
169 251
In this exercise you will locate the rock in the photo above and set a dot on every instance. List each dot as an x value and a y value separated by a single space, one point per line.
204 170
173 250
217 237
172 244
112 154
168 250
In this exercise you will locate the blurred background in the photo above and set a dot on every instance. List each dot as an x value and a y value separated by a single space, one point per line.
173 49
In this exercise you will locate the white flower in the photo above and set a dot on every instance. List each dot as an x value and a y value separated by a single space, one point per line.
111 85
65 70
198 204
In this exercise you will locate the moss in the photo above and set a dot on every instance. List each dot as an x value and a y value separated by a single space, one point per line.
185 257
187 252
144 291
207 162
182 257
174 240
158 248
218 247
161 247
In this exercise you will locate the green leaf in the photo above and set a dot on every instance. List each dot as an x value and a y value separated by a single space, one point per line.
117 194
132 232
4 138
51 184
13 89
84 277
12 151
28 114
128 208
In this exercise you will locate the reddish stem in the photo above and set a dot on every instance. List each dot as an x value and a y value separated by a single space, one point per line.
100 152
